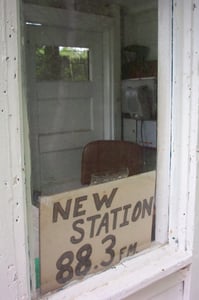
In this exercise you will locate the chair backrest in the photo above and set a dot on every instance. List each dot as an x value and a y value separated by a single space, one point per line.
110 156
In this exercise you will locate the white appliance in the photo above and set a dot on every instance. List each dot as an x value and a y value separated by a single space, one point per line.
139 111
130 130
147 133
139 98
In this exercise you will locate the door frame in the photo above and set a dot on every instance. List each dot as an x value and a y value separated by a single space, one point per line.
110 29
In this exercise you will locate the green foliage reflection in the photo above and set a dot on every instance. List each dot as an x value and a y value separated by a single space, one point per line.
62 63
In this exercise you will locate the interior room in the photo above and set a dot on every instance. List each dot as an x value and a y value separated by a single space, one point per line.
80 186
89 84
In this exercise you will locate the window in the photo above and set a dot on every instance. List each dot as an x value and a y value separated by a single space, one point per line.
73 111
177 158
62 63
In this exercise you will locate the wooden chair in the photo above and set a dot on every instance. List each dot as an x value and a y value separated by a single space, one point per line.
111 156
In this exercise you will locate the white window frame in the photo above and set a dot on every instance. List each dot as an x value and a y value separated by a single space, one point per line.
177 163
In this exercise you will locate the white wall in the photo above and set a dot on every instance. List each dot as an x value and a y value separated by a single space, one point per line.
142 29
14 265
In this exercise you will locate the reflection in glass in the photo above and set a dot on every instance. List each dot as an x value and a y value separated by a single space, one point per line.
67 112
62 63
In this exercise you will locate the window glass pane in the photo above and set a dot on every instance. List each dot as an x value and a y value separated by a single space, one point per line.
51 3
92 136
62 63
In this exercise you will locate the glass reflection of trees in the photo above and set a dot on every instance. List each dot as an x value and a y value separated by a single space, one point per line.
62 63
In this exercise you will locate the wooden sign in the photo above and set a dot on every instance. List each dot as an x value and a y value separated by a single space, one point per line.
93 228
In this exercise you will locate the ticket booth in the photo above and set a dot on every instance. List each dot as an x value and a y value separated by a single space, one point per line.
85 214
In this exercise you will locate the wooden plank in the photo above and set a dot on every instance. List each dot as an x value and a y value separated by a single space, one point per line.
14 261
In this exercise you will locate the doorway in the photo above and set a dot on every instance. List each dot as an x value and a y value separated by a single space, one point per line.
66 111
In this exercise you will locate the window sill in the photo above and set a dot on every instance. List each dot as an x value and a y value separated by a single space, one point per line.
128 277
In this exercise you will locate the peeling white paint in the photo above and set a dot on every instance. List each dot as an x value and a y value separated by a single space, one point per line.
14 278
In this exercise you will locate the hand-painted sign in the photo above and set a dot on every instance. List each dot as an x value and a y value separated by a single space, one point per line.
91 229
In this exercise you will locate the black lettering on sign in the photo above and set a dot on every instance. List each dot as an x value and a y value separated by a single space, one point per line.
58 209
73 239
104 223
125 208
77 212
109 249
105 199
128 251
132 249
83 266
141 208
147 207
65 270
93 219
115 212
84 262
122 251
136 211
